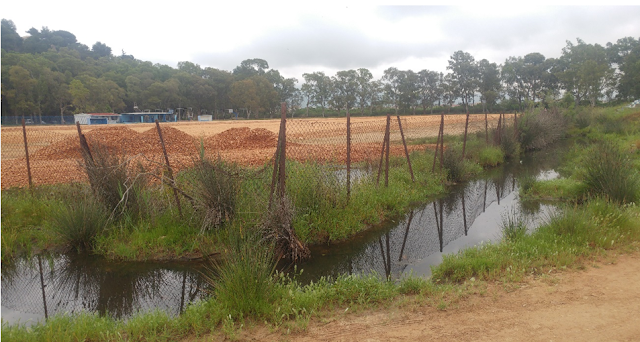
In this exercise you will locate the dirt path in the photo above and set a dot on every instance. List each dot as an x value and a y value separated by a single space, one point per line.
601 303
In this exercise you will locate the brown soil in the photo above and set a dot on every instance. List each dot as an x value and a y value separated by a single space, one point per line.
600 303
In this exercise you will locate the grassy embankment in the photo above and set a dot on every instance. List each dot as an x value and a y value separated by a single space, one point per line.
144 223
596 224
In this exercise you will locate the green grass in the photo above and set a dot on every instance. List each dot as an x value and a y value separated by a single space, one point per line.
568 239
491 157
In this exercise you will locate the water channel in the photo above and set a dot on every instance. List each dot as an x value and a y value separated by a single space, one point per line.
470 214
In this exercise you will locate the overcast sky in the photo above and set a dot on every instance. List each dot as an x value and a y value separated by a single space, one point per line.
326 36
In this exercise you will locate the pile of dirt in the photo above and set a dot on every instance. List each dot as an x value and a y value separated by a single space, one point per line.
175 140
241 138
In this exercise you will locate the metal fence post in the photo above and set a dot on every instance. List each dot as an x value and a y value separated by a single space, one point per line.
169 170
406 151
26 151
348 155
386 168
464 143
283 151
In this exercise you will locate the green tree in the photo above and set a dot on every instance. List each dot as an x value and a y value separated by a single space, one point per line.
363 92
464 74
101 50
584 70
79 96
244 95
345 85
489 85
319 85
11 40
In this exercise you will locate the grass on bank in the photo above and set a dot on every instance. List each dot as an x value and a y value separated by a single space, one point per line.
576 235
571 239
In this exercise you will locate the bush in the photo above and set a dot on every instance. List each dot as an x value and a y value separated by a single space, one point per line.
540 128
611 174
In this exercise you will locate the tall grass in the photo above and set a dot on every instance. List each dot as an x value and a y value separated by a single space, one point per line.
513 225
79 222
568 238
112 183
244 281
609 172
216 187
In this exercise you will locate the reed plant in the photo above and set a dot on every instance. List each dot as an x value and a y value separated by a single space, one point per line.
80 221
609 172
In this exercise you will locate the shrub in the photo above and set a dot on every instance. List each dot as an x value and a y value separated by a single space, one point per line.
610 173
540 128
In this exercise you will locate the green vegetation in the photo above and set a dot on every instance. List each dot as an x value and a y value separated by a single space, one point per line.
592 226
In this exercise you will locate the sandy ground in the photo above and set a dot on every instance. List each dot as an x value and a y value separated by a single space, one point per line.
600 303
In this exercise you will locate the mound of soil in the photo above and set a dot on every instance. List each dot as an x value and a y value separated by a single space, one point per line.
241 138
175 140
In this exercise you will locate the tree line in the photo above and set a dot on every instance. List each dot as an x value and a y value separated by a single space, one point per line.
50 73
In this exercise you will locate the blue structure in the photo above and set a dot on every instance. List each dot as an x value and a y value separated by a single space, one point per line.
169 116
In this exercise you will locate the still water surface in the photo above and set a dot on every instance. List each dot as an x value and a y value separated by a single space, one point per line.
470 214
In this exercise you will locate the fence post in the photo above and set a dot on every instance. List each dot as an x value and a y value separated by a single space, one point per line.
283 151
26 151
500 129
384 144
277 177
435 156
464 143
486 128
348 155
515 125
406 151
386 168
441 138
83 144
169 170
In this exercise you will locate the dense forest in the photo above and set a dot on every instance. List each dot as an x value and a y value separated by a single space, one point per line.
50 74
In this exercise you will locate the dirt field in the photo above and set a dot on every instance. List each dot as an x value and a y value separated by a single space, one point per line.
601 303
54 150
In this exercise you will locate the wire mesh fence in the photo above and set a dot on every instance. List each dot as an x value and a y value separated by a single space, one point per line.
54 151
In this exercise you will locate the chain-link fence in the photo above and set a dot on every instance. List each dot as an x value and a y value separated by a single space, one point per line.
52 154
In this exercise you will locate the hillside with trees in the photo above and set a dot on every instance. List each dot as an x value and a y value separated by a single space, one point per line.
50 74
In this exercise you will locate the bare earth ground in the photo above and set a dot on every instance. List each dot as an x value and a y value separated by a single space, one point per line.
600 303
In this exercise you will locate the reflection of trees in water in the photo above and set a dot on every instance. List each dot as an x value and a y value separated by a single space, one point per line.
72 284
